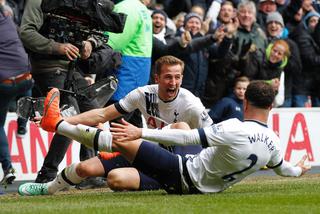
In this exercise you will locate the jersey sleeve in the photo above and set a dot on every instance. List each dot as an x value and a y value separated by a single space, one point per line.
200 118
221 133
197 114
276 157
131 101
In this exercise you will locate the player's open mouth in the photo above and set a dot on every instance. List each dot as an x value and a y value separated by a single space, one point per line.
171 92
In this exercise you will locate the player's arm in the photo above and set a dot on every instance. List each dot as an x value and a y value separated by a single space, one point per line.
102 115
127 132
95 116
284 168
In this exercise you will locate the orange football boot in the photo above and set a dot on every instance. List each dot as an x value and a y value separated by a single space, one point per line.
51 113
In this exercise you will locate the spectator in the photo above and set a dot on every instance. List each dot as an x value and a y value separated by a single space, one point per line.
249 31
269 64
179 20
282 5
276 30
198 10
50 60
15 79
16 14
135 45
265 7
160 31
196 63
232 105
226 14
292 15
308 82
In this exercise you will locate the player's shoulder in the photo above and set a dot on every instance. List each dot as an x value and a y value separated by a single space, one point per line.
188 97
232 124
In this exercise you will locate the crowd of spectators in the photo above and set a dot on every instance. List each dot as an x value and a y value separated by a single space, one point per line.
261 24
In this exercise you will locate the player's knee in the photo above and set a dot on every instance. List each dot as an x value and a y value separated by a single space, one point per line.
116 180
180 125
85 170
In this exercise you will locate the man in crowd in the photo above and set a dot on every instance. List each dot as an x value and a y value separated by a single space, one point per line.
15 80
50 60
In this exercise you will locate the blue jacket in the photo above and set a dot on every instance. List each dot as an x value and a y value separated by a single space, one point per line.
227 108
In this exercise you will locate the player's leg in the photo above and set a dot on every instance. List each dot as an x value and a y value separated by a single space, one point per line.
123 179
52 121
74 174
126 179
156 162
70 176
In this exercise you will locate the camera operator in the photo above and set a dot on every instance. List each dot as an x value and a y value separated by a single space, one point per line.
50 60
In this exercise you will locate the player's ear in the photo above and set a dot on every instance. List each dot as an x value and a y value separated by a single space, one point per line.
156 78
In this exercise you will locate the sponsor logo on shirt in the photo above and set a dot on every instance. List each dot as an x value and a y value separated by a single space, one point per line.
152 107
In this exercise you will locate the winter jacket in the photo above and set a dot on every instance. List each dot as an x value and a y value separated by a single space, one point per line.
227 108
309 81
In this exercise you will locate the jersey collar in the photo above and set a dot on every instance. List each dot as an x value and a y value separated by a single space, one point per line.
256 121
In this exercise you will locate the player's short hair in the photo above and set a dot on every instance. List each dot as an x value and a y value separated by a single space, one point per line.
260 94
167 60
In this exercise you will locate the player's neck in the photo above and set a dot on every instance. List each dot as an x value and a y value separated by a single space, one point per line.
257 115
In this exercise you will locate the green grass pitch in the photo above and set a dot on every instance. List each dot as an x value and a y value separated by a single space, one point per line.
259 194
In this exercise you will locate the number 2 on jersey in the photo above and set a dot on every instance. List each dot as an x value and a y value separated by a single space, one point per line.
253 159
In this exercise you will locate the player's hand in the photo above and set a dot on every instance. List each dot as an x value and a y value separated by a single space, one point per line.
304 168
86 50
71 51
125 131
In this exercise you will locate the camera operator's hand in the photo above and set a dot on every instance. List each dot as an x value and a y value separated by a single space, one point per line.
71 51
86 50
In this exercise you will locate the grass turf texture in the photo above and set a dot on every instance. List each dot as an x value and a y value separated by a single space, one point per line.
254 195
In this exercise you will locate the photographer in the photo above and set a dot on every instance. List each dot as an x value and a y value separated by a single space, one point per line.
50 60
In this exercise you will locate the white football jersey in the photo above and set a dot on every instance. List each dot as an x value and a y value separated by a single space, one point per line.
184 108
235 150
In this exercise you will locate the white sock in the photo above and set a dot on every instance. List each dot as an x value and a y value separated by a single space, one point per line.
87 135
68 177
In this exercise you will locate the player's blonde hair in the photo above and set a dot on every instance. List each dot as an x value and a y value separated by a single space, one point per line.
168 60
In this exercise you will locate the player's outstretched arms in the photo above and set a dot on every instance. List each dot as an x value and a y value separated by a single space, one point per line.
125 131
286 169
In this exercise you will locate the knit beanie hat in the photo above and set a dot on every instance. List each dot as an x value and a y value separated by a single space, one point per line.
160 12
191 15
276 17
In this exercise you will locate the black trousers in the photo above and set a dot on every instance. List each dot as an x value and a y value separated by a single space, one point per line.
59 143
